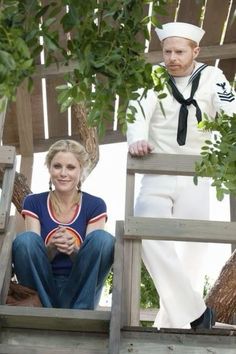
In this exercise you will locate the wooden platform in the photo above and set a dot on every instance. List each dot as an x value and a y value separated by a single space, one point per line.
59 331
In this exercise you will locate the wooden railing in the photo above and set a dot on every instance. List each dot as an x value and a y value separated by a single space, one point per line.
8 167
134 229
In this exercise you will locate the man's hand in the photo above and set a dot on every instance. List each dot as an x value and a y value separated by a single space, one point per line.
140 148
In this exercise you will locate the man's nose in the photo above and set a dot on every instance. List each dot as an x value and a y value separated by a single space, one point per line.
172 56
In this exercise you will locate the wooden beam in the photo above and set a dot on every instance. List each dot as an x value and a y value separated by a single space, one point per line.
7 156
179 230
163 164
5 257
117 292
3 101
224 51
54 319
6 196
24 120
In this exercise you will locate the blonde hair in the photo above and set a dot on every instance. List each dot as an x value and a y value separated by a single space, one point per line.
80 154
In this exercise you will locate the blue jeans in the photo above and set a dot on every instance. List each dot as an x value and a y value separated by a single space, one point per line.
82 288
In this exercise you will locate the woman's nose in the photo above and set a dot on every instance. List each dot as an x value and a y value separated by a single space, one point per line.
63 171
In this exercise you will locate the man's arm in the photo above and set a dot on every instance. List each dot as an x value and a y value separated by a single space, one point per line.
137 133
225 97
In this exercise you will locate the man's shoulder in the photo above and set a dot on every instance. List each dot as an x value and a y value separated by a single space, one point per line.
208 69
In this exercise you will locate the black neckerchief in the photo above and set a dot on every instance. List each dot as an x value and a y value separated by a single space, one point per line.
183 113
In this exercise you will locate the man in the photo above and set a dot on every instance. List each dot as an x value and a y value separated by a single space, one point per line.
177 268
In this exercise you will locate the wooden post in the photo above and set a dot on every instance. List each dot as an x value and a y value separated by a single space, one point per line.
117 291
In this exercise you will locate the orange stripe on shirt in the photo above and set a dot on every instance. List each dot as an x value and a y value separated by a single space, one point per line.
29 213
99 217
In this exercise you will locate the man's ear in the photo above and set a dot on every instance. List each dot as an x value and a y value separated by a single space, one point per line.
196 51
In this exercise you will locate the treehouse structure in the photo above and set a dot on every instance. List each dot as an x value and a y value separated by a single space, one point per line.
31 125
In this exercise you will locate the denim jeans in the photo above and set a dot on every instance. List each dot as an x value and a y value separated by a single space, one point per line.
82 288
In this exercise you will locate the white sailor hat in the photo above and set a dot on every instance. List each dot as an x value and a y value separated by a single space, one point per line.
180 29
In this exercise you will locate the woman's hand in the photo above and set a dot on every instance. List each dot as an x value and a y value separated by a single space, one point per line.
64 242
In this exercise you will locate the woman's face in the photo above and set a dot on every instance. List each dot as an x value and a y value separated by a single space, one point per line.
65 172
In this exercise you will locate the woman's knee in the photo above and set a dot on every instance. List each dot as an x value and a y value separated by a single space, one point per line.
26 241
101 238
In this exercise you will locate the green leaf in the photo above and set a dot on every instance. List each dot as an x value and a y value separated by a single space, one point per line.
7 60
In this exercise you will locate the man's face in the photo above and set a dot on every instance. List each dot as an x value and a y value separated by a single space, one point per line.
179 54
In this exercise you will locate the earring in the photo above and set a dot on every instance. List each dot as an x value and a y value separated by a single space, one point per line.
50 185
79 187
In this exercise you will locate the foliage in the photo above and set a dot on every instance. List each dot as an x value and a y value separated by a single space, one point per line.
218 157
101 39
149 295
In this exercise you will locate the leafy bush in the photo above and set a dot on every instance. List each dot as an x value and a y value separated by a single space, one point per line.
218 157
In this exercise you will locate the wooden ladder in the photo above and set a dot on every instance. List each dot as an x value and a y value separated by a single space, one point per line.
125 317
39 330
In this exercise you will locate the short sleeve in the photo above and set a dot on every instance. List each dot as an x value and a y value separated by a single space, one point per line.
30 206
96 208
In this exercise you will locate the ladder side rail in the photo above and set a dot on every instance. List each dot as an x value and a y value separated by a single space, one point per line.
117 291
5 259
132 260
7 191
233 216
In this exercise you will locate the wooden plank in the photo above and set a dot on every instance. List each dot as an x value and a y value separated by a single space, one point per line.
45 341
233 216
6 196
150 340
26 349
117 291
26 168
54 319
135 283
57 121
162 164
10 132
129 194
127 281
169 17
37 105
190 11
214 21
5 256
229 66
2 115
24 120
7 156
224 51
179 230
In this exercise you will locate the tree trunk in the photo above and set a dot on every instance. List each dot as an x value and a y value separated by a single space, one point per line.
87 135
222 296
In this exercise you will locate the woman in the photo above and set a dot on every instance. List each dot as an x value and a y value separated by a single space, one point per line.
65 253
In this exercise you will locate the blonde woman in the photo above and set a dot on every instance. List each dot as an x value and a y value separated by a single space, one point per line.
65 253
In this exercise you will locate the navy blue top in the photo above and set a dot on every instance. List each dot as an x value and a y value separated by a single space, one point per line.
89 210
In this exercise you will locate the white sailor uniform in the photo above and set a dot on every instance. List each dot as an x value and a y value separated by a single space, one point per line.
177 268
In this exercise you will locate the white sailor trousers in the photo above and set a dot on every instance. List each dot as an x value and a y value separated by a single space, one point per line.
176 267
